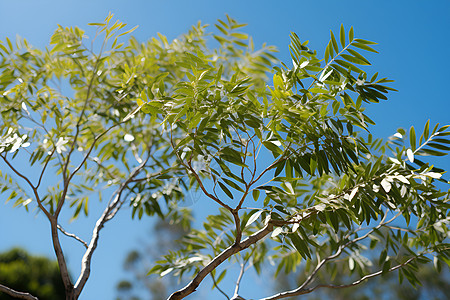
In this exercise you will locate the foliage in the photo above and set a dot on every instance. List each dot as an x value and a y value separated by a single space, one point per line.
291 163
38 275
330 191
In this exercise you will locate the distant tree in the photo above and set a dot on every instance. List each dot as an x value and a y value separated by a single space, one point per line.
165 236
289 162
38 275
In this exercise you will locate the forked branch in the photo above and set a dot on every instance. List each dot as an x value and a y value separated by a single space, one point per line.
219 259
302 289
106 216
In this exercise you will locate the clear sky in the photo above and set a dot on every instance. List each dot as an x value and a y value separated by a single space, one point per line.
414 43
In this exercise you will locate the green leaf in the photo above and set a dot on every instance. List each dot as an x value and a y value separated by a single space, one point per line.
365 42
241 36
273 147
348 65
426 130
3 48
438 146
382 258
255 194
226 190
330 48
430 152
359 56
278 82
129 31
327 54
254 217
221 276
219 74
232 156
300 245
342 36
386 267
333 40
444 141
233 185
223 23
354 59
412 138
221 29
9 44
313 166
195 120
364 47
350 35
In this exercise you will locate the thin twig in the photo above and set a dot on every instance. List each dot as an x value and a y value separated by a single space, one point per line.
329 64
86 102
338 252
45 166
38 199
302 288
77 131
72 236
218 288
197 177
238 281
307 291
68 179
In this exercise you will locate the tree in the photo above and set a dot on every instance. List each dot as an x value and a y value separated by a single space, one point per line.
325 191
63 111
38 275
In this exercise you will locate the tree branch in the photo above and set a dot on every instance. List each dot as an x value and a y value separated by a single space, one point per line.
202 187
237 222
36 195
302 288
86 102
331 286
54 223
227 253
329 63
68 179
16 294
54 231
68 285
106 216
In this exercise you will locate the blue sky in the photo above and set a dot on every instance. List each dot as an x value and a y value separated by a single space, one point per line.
413 39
